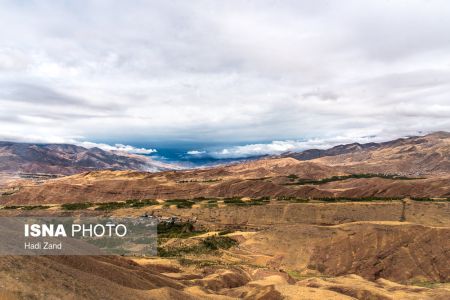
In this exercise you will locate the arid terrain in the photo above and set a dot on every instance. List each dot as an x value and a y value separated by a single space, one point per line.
352 222
65 159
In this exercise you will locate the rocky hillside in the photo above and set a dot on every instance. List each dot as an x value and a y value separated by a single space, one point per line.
104 186
429 154
392 250
413 167
339 226
66 159
110 277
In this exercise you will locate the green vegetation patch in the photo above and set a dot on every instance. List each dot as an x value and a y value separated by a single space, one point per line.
198 263
208 245
428 284
292 177
33 207
13 207
180 203
218 242
132 203
226 231
210 205
212 180
8 193
361 199
259 179
26 207
302 181
76 206
177 230
292 199
141 203
111 206
426 199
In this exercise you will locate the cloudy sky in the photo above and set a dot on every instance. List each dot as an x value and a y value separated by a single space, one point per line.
266 75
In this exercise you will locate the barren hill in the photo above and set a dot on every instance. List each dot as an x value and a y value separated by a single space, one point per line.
294 262
429 154
232 181
68 159
392 250
78 277
339 226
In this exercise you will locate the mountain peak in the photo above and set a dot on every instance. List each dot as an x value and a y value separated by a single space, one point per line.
439 135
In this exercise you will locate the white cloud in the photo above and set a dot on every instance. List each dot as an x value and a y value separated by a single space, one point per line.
116 147
46 139
195 152
223 71
279 147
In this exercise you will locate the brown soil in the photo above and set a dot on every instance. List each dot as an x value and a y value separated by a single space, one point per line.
285 250
397 251
103 186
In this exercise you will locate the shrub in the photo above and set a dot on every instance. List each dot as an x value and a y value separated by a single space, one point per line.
210 244
218 242
141 203
177 230
111 205
302 181
185 204
199 263
12 207
426 199
26 207
133 203
180 203
233 201
226 231
292 177
32 207
292 199
257 179
76 206
361 199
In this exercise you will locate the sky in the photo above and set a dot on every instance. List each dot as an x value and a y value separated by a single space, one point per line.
228 78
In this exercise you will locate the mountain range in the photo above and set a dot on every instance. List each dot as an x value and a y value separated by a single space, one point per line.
357 221
414 167
67 159
413 155
405 156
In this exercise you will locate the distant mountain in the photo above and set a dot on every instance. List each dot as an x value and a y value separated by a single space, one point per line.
66 159
365 171
410 156
337 150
